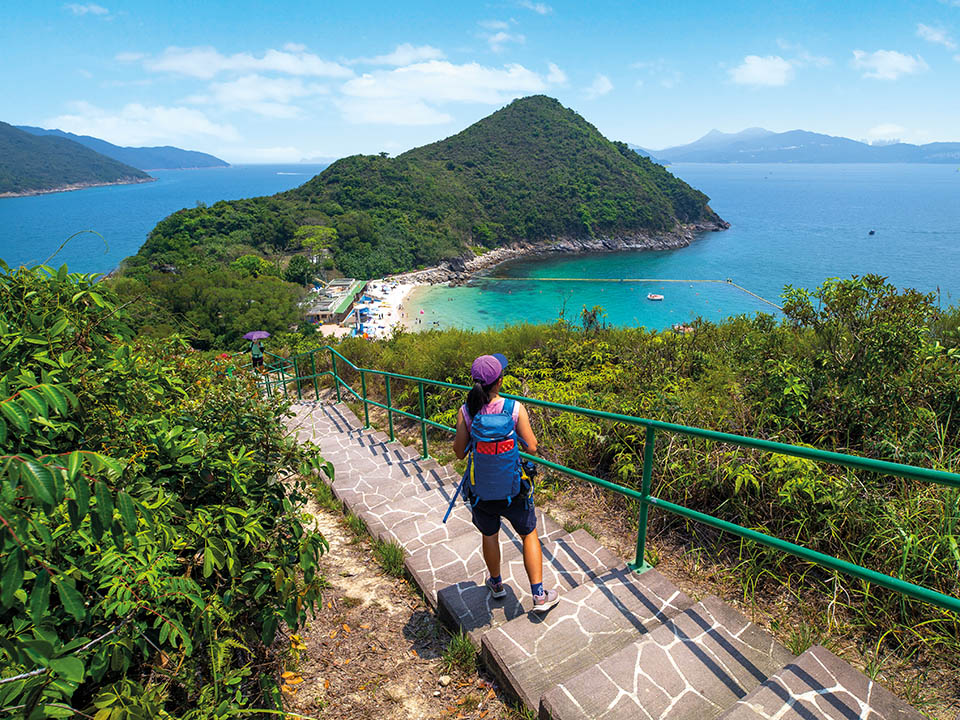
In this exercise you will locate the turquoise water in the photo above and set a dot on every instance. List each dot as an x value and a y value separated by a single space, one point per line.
790 224
31 228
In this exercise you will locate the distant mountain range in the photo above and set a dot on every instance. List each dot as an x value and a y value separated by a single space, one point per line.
144 158
645 153
30 165
756 145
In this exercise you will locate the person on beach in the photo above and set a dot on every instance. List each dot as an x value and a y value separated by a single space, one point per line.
256 353
484 401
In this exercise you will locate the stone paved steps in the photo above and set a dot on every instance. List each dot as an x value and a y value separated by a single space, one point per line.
530 654
618 645
820 686
695 665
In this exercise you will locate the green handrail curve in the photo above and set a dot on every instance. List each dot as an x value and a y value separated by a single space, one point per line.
889 582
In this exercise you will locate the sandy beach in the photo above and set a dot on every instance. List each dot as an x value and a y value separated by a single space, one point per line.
387 307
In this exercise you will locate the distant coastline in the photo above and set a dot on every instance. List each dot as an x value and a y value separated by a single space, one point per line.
76 186
459 270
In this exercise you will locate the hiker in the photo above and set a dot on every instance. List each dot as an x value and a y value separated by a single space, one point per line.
488 428
256 353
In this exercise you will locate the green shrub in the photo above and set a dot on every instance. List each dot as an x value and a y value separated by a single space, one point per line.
390 556
149 554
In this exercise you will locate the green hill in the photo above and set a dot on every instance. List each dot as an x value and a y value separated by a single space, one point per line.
30 164
145 158
533 171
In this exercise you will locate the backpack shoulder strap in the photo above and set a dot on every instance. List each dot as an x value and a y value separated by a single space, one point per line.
508 404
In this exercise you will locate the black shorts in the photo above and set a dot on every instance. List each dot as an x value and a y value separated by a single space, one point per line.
258 361
520 512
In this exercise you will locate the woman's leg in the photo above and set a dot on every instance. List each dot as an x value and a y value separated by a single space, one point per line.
491 553
532 557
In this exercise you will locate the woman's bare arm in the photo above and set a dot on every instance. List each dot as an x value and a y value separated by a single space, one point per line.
462 437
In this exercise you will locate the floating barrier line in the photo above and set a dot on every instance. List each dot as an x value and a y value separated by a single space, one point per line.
635 280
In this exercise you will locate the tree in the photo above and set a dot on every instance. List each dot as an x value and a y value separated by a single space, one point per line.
299 271
316 237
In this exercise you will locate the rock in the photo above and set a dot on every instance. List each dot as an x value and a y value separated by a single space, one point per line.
445 680
436 693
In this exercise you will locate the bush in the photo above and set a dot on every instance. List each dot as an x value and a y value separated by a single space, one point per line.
149 553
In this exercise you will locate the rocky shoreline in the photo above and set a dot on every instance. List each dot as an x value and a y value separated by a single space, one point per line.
459 270
75 186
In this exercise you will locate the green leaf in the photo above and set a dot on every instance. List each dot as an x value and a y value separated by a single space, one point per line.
59 326
40 597
73 465
34 401
72 600
12 577
104 502
15 414
96 527
81 490
55 398
127 511
39 480
70 667
3 431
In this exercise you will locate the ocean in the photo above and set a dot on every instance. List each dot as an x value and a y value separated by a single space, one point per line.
31 228
790 225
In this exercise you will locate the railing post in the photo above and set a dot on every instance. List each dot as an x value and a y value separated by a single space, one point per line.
313 370
296 374
423 425
640 564
336 378
389 409
366 407
283 379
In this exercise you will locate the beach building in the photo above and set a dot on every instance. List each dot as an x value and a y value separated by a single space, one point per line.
336 301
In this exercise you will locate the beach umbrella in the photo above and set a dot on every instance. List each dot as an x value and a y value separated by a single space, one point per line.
421 312
256 335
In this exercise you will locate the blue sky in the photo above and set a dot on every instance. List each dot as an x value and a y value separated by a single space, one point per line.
283 81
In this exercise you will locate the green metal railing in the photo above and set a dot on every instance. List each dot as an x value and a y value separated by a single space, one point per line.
283 367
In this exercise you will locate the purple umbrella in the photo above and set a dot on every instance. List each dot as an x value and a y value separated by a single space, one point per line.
257 335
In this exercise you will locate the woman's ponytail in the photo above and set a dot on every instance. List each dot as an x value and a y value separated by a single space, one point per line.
478 396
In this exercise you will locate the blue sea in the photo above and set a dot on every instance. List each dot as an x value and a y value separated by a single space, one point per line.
31 228
790 225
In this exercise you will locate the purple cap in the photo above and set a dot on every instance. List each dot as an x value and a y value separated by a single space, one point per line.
487 368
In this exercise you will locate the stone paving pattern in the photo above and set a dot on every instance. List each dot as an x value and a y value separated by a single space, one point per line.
618 645
818 684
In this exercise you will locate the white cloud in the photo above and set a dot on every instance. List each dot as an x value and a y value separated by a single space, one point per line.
89 8
770 71
269 97
660 71
294 47
498 40
129 57
443 81
556 76
601 85
207 62
137 124
888 64
886 134
538 7
494 24
937 36
390 111
405 54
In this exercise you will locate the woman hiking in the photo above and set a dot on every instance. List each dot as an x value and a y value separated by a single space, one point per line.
488 427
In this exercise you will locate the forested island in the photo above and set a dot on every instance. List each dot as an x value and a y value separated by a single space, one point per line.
533 171
31 165
164 157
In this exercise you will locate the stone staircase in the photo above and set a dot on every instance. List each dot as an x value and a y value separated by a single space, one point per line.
618 645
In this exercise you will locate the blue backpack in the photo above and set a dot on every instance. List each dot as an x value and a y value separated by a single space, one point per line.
494 463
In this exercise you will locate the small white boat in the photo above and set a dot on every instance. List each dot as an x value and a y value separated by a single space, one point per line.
654 296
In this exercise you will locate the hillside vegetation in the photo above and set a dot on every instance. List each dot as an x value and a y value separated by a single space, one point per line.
164 157
150 558
29 163
856 366
531 171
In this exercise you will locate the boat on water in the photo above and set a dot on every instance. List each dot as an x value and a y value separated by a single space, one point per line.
654 296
